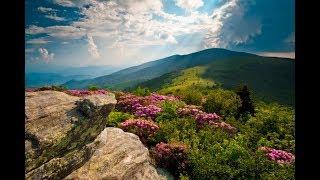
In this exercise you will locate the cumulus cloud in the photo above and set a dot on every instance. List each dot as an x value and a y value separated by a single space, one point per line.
62 32
29 50
291 39
92 48
189 4
55 17
46 10
290 55
231 26
132 24
66 3
38 41
45 55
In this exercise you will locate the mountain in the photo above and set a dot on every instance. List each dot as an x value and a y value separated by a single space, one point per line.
92 71
47 79
271 79
131 76
59 75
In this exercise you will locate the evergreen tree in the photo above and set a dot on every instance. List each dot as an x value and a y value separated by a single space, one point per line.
247 106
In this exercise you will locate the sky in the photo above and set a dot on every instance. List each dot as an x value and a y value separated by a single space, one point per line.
78 33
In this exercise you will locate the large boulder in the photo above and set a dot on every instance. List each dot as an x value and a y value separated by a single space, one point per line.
58 129
117 155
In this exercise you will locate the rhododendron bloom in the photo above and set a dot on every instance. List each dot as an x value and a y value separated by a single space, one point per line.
279 156
147 106
143 128
172 155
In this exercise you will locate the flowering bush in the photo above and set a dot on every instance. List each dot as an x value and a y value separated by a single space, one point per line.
143 128
189 110
203 118
172 156
279 156
85 92
128 103
149 111
147 106
209 118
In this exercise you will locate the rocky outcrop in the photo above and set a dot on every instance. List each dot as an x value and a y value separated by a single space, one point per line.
57 129
117 155
67 138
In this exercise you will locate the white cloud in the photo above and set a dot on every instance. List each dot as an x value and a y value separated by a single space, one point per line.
189 4
231 26
92 48
66 3
45 55
29 50
291 39
62 32
33 29
278 54
55 17
128 24
38 41
45 10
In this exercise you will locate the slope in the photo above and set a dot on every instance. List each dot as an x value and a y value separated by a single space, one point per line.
271 79
129 77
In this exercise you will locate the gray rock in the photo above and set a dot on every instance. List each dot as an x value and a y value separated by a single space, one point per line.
66 138
56 132
118 155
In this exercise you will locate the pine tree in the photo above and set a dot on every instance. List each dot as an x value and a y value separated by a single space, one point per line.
247 106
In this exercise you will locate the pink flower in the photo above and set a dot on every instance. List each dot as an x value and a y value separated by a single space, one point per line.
143 128
279 156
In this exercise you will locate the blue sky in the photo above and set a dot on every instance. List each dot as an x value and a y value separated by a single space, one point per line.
71 33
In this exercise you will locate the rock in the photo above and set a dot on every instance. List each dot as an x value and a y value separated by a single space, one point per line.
117 155
57 132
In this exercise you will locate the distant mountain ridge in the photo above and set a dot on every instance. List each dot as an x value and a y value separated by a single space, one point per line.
131 76
271 78
58 76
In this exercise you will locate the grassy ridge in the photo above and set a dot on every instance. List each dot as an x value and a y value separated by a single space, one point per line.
271 79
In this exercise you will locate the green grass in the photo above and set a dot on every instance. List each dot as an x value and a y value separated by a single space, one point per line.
188 79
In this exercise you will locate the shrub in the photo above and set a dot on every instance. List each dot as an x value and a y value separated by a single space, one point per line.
268 169
93 88
279 156
172 156
192 97
203 118
273 125
143 128
148 106
114 118
179 129
223 102
148 112
169 111
226 160
141 91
